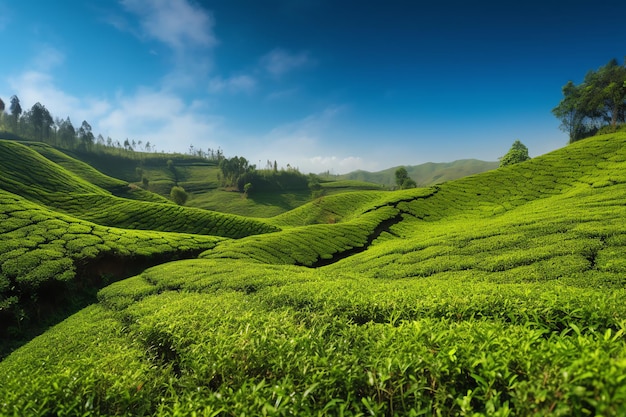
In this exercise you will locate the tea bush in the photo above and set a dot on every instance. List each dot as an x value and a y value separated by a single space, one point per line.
498 294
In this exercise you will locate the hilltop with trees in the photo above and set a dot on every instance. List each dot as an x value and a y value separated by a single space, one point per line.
597 104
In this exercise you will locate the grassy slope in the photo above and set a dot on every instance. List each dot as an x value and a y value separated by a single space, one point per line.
261 205
67 190
199 178
62 223
500 294
88 173
50 261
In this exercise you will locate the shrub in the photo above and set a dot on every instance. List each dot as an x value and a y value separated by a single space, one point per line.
179 195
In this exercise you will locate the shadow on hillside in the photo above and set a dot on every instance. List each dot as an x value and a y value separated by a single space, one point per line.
56 300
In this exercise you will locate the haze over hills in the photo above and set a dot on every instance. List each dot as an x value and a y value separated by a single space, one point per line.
498 292
426 174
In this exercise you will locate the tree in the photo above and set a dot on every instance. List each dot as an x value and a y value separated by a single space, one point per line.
598 101
234 168
85 135
608 83
401 175
179 195
518 153
403 180
66 132
16 110
570 112
46 124
1 105
315 186
409 183
39 121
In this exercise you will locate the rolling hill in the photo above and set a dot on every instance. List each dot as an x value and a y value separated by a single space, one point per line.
500 293
427 174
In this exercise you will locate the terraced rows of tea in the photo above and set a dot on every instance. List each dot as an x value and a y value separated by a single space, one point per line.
29 174
498 294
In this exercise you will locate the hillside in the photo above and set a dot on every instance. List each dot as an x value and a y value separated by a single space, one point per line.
501 293
201 179
63 184
427 174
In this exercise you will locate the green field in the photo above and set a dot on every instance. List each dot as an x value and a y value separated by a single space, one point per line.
501 293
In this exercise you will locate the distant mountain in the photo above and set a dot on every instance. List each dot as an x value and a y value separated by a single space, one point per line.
426 174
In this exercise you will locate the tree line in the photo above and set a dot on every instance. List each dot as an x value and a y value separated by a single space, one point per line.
237 172
598 104
38 124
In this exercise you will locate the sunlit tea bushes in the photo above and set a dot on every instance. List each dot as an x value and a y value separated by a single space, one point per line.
498 294
308 244
346 206
87 172
25 172
130 214
40 247
300 344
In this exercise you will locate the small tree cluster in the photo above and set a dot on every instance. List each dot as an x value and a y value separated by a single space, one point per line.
518 153
233 169
179 195
403 180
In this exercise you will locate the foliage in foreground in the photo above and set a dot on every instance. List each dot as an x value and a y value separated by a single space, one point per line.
500 294
196 336
42 250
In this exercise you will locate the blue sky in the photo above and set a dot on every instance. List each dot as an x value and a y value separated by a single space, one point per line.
319 84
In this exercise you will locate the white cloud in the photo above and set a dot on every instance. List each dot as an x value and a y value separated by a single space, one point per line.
279 62
184 27
36 86
177 23
310 144
304 136
160 117
234 84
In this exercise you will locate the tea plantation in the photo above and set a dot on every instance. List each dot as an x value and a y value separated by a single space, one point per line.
502 293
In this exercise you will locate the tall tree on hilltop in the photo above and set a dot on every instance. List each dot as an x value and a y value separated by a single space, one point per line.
570 112
37 118
85 135
600 100
403 180
46 125
16 111
610 82
66 133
